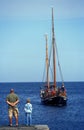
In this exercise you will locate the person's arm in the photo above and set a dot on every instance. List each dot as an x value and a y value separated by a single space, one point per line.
16 102
31 107
9 103
12 104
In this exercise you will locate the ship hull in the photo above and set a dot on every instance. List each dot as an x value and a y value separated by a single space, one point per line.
56 100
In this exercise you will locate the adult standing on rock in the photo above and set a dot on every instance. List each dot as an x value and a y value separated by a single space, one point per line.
12 101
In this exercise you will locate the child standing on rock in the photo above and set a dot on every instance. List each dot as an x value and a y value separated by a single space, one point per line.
28 112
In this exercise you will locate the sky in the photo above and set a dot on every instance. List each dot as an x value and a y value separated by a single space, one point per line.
23 25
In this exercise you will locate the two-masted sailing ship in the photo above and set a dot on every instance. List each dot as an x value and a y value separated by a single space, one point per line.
50 93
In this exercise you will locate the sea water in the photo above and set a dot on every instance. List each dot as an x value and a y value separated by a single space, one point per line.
69 117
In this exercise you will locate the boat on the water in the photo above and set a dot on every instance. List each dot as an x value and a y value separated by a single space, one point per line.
50 93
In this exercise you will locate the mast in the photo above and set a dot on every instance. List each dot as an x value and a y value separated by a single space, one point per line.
54 53
47 62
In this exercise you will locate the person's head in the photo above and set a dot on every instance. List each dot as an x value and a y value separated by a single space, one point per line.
62 85
28 100
11 90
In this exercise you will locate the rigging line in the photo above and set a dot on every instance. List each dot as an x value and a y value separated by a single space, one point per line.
59 63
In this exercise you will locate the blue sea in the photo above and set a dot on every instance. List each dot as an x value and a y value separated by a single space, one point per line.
70 117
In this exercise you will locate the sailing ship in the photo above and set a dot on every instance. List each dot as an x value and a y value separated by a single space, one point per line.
50 93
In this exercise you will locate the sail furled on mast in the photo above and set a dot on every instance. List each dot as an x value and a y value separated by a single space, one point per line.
54 51
47 62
